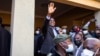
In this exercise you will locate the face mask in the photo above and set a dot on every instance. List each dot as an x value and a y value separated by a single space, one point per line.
87 52
78 42
64 30
70 48
85 32
37 32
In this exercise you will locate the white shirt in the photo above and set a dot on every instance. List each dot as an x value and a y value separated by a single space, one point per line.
55 32
78 50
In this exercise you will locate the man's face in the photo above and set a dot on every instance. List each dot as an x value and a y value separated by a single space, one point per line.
78 40
52 22
60 31
78 37
63 44
68 41
92 44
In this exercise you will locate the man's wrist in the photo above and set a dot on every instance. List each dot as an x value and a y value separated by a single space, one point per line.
49 14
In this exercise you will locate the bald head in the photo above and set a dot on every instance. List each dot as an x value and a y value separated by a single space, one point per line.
92 43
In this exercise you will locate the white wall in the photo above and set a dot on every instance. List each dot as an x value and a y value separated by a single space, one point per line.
22 27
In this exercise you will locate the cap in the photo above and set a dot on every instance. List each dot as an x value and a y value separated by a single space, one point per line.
60 38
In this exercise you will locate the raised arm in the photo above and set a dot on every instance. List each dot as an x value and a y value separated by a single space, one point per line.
88 23
51 10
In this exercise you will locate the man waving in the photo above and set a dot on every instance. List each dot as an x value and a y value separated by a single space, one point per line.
49 31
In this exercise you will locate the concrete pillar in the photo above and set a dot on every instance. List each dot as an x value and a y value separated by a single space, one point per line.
22 27
97 17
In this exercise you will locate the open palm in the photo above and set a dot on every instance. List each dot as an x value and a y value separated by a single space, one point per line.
51 8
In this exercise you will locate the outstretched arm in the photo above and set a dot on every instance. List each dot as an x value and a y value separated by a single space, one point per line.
51 10
88 23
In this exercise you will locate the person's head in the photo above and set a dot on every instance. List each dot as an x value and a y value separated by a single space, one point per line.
70 48
57 28
91 46
64 29
78 39
68 41
60 31
62 41
52 22
37 31
75 28
80 32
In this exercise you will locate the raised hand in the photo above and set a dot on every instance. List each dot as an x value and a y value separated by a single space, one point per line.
51 8
92 20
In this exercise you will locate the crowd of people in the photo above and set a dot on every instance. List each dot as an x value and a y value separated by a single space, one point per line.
58 41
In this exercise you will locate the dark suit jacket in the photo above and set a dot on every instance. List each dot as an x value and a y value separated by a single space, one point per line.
48 34
5 38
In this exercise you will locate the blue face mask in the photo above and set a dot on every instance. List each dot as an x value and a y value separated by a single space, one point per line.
70 48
